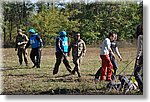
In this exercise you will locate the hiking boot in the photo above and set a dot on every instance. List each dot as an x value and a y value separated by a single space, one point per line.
73 72
37 66
108 79
96 81
34 66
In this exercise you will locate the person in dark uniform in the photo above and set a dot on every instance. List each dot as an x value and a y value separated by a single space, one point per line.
21 41
36 44
61 52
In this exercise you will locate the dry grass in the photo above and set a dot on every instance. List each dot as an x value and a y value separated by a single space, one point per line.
26 80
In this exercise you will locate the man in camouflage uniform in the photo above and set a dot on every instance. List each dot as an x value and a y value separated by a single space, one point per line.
78 51
21 41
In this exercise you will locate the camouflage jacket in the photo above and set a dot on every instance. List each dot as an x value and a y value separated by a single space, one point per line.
21 41
78 48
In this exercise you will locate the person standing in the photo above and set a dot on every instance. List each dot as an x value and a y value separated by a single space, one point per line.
21 41
36 44
61 52
78 51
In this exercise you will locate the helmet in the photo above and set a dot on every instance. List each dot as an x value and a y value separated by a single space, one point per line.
63 33
32 31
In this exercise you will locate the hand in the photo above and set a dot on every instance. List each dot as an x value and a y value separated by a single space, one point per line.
113 56
83 54
68 54
120 58
40 49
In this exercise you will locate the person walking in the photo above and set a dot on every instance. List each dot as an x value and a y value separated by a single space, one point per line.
36 44
61 52
114 47
21 41
78 51
104 55
138 69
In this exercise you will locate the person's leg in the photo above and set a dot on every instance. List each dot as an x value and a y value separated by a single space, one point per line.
19 53
97 75
75 63
58 62
66 63
115 67
138 77
38 57
25 56
103 70
78 67
109 68
32 57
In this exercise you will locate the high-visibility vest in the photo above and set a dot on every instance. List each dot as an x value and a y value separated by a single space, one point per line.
64 43
34 42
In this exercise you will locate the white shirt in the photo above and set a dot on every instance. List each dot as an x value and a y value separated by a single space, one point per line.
105 46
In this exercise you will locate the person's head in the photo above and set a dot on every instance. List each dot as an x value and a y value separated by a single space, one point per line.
63 34
32 31
116 36
77 36
112 36
139 30
19 31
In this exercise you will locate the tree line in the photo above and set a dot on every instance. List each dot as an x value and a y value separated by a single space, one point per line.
93 20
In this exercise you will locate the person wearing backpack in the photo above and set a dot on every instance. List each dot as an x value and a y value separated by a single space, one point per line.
61 52
36 44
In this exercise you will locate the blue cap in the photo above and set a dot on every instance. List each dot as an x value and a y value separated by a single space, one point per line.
32 31
63 33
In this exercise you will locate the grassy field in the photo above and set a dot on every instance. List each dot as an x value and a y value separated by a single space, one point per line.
27 80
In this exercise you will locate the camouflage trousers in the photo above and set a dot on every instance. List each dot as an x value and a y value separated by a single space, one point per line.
77 62
59 57
22 51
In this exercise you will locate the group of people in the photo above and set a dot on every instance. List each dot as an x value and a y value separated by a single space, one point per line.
23 42
63 49
107 54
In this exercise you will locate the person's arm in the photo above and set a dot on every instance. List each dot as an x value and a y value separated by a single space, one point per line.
69 48
26 39
41 42
139 46
84 48
16 44
118 53
58 45
28 44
